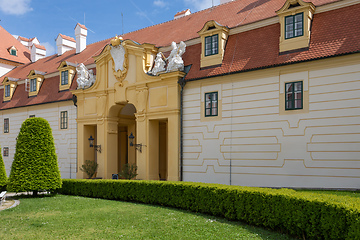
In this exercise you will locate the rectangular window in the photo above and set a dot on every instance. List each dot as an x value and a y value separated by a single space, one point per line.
293 95
31 116
211 104
13 52
33 85
64 77
6 125
63 120
7 91
6 152
294 26
211 45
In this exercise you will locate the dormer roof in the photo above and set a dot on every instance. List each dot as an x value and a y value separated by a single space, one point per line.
7 41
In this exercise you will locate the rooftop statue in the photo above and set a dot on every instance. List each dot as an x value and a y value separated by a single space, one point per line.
85 77
159 65
175 62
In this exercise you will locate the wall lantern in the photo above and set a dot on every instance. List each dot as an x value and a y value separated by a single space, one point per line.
97 147
137 146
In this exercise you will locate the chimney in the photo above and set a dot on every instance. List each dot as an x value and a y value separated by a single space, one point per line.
37 52
80 34
225 1
182 14
65 43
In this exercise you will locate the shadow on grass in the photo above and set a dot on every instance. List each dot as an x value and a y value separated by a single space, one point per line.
19 196
262 232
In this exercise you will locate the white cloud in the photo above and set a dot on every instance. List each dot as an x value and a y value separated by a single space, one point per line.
197 5
50 49
160 3
15 7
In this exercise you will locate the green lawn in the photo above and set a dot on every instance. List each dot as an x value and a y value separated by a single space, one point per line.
69 217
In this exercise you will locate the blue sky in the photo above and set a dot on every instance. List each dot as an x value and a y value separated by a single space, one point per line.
45 19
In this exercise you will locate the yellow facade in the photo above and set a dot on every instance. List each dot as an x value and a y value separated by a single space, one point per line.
130 101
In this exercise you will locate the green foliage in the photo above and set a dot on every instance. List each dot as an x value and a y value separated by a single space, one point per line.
3 177
301 214
35 165
89 167
128 171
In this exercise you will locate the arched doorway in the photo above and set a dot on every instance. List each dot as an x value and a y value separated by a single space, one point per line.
126 126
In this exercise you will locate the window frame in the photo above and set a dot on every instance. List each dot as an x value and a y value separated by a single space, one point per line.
211 104
294 24
7 90
212 37
33 84
6 125
293 98
6 152
64 75
13 52
64 120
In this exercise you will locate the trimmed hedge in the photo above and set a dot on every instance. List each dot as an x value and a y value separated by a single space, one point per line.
35 165
299 214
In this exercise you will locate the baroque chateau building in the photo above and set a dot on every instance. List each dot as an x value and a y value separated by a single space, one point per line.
249 92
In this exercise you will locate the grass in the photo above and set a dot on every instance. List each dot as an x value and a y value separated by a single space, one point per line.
69 217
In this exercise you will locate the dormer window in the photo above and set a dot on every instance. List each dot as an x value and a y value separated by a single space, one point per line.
213 40
67 72
9 87
295 23
7 91
65 77
33 85
12 50
211 45
294 26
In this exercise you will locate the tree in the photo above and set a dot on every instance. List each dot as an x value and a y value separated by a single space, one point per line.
35 165
3 177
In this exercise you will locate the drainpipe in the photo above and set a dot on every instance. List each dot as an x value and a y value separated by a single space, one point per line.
182 83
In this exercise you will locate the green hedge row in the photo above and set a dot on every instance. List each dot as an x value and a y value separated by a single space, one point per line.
299 214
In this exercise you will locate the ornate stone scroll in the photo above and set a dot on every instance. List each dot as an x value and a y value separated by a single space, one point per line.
119 57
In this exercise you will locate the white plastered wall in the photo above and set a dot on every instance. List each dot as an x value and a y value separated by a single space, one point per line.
262 147
65 139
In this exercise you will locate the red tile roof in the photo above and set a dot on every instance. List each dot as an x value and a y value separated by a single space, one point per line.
231 14
39 46
24 39
67 37
331 34
7 41
82 26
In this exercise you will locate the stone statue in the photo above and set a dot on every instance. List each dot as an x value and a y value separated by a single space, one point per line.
85 77
175 62
159 65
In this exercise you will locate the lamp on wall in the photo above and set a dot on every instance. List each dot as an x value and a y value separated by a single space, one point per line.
137 146
96 147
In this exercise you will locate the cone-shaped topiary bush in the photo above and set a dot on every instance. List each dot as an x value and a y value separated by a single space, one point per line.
35 165
3 177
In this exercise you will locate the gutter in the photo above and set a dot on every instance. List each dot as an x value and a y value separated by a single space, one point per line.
182 84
